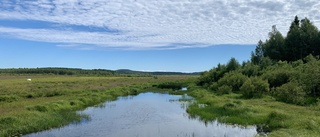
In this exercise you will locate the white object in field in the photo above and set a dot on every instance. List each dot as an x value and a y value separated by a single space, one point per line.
29 79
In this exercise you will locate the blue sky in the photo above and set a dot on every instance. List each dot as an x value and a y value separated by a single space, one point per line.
29 54
165 35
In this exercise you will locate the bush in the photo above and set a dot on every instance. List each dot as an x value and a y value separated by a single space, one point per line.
8 98
225 89
275 120
251 70
233 79
170 85
291 92
254 87
214 86
278 77
310 76
212 75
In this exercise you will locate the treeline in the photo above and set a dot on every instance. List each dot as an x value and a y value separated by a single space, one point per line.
85 72
127 71
303 38
287 69
58 71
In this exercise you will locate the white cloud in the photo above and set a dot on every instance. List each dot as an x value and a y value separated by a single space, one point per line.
156 24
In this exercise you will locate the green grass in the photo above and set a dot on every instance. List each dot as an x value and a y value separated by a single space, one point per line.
52 101
277 118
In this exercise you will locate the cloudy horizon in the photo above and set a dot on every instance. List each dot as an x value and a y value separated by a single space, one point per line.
144 24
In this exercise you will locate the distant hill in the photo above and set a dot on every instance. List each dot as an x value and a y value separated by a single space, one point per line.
84 72
128 71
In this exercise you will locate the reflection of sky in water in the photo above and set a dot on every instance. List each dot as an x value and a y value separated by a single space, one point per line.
145 115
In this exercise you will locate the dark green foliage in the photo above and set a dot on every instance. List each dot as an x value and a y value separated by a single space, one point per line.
233 64
250 69
275 120
310 76
214 86
265 62
279 74
291 92
233 80
302 39
256 56
170 85
254 87
224 89
8 98
274 47
212 75
215 74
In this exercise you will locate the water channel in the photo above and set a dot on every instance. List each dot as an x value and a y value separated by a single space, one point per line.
145 115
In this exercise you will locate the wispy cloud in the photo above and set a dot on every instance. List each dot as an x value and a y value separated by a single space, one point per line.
152 24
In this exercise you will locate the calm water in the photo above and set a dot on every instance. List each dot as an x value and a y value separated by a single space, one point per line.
145 115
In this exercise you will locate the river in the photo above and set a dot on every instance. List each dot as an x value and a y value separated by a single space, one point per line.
145 115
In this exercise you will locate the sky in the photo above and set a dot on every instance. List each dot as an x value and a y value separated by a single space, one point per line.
148 35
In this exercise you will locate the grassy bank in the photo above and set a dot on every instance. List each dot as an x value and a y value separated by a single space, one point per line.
277 118
52 101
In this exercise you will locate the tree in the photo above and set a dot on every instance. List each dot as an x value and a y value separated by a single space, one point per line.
317 47
233 64
309 36
293 41
274 47
256 56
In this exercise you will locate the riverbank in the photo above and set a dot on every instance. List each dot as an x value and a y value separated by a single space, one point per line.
34 103
275 118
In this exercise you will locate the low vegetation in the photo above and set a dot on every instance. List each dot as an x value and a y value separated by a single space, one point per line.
49 101
275 118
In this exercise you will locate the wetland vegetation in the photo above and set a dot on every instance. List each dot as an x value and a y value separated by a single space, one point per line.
52 100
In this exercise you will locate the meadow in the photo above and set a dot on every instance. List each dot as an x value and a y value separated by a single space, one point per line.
49 101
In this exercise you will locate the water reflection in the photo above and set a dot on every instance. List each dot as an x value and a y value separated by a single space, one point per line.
184 88
145 115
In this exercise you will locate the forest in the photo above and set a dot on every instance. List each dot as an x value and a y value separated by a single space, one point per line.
286 68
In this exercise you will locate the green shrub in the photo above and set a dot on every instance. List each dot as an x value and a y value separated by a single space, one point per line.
254 87
225 89
8 98
291 92
275 120
170 85
40 108
278 77
214 86
310 76
251 70
233 79
53 93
